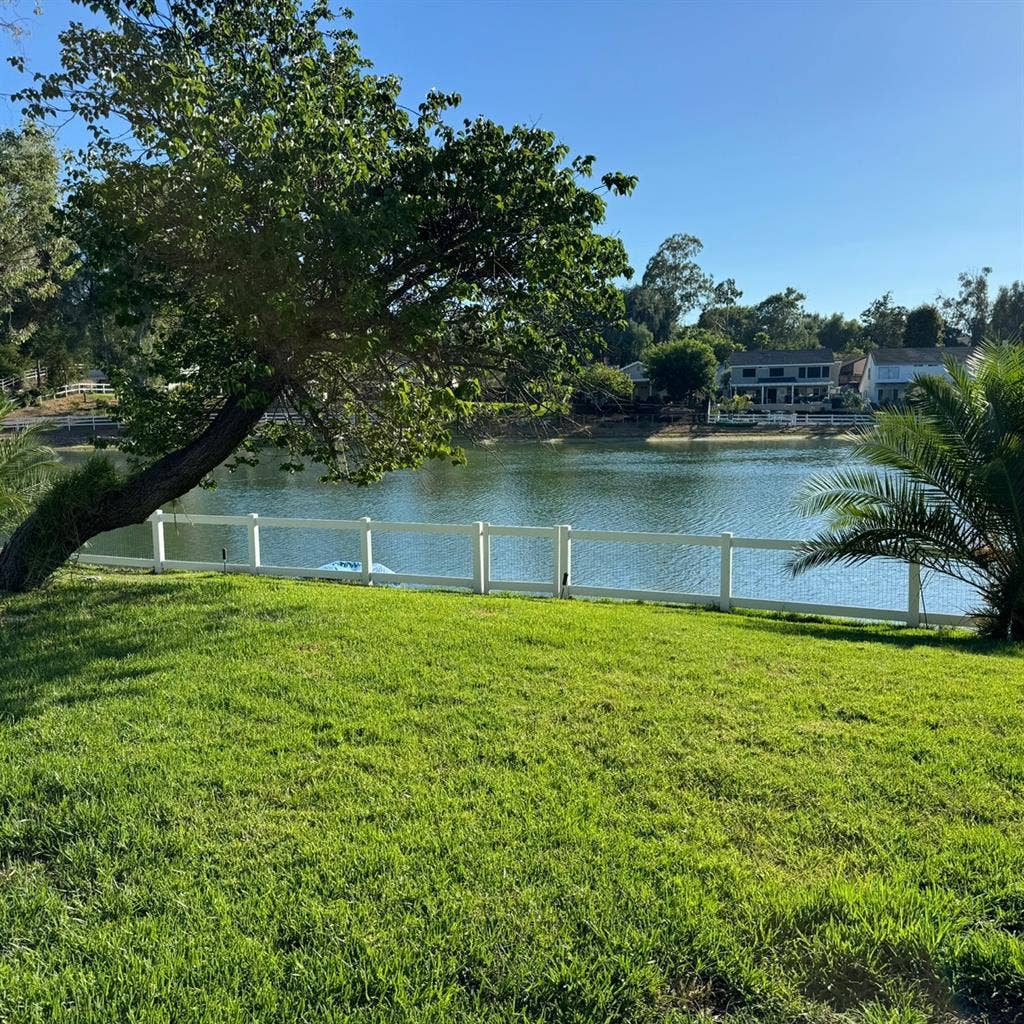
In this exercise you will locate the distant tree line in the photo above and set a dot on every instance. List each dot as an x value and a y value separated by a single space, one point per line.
673 287
51 319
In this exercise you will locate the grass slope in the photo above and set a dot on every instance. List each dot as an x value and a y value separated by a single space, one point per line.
227 799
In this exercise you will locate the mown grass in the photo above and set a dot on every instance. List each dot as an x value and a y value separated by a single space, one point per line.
227 799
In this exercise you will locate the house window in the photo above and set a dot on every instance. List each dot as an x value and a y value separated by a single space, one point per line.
776 371
749 371
802 372
813 371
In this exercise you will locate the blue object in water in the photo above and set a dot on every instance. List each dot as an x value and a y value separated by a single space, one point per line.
357 567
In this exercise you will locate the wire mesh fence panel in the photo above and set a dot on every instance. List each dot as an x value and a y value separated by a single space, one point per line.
203 542
423 554
665 568
762 574
528 559
943 595
135 541
308 548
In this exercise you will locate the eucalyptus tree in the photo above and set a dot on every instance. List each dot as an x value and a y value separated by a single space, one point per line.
1008 313
946 489
968 312
884 323
281 232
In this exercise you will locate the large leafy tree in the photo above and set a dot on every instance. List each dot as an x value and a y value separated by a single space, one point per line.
967 313
947 490
781 322
33 253
884 322
924 328
1008 313
720 344
674 285
625 341
278 229
602 389
738 323
682 369
836 332
777 321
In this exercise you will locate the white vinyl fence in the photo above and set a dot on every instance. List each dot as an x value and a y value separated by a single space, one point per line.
792 419
82 387
28 379
92 421
79 421
722 570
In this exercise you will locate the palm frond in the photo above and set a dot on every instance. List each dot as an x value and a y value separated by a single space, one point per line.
947 487
26 466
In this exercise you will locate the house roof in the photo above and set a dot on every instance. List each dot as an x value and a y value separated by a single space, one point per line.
919 356
636 371
782 357
852 371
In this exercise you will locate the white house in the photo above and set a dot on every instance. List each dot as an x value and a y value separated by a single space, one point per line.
889 371
637 373
785 379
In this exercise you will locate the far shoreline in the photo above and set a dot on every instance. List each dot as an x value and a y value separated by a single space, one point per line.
595 434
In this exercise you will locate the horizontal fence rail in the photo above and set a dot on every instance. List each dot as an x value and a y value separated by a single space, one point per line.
93 421
28 379
793 419
564 562
82 387
80 421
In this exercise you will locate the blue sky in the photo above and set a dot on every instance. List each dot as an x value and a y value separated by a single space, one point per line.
845 149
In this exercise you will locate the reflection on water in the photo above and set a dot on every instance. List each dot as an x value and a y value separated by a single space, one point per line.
748 488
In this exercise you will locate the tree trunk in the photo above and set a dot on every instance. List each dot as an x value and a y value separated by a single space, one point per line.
34 552
1017 625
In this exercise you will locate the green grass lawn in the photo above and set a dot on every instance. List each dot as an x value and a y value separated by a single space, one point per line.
228 799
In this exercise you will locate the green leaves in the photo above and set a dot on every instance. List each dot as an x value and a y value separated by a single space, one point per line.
273 206
952 492
26 465
682 368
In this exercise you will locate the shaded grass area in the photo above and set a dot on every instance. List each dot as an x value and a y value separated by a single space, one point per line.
230 799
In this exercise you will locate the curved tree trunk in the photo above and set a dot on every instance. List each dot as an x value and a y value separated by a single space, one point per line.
22 564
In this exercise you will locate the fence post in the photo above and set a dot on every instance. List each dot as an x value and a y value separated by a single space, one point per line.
366 551
476 536
486 541
725 574
156 521
254 542
914 594
562 574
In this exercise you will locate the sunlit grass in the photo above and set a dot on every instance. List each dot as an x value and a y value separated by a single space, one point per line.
226 799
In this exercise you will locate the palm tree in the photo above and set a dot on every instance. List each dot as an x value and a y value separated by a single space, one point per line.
948 492
26 465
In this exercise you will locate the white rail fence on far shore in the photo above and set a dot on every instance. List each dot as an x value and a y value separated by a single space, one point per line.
784 418
82 387
89 421
477 557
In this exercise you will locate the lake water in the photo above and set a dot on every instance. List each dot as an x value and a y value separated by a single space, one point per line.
748 488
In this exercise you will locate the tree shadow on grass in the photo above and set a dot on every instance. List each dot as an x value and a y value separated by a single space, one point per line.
806 627
86 640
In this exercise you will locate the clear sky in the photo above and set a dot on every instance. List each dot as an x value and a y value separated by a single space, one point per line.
843 148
